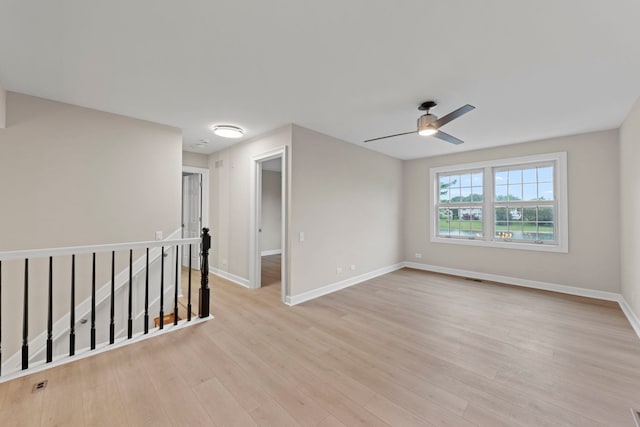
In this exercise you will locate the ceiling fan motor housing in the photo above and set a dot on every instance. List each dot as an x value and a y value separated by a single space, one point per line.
425 124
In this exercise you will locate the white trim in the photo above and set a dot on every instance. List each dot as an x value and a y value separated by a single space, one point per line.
631 316
230 277
255 257
121 342
77 250
525 283
561 196
636 417
271 252
333 287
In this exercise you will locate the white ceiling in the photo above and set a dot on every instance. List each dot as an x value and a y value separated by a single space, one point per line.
351 69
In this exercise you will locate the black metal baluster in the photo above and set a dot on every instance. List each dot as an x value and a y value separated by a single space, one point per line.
189 289
112 312
72 308
25 318
205 292
162 288
93 303
175 293
130 325
146 296
50 314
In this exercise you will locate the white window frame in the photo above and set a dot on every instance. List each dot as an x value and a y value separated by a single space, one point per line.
458 205
560 194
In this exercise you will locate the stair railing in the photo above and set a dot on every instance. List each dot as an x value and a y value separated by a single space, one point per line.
204 242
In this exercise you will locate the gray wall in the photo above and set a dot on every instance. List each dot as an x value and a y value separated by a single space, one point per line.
230 201
347 199
195 159
594 243
630 207
72 176
348 202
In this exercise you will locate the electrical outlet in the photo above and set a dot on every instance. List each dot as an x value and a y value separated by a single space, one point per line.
418 255
158 235
224 262
353 267
338 270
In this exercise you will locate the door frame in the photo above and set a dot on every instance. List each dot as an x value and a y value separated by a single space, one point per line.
204 203
255 255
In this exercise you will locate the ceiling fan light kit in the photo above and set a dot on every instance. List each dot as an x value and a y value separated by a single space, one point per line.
425 127
429 124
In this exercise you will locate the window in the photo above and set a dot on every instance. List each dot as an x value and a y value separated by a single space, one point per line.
460 204
524 203
517 203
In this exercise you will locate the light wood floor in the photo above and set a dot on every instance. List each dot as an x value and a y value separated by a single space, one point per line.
406 349
270 271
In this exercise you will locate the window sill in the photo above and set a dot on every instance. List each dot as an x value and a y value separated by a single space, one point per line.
539 247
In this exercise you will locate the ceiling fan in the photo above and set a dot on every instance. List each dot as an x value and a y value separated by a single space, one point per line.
429 124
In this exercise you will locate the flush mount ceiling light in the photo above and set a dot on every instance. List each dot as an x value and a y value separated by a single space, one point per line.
228 131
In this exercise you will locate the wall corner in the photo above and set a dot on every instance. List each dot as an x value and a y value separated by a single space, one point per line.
3 107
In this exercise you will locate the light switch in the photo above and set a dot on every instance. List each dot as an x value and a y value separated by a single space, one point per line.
302 236
158 235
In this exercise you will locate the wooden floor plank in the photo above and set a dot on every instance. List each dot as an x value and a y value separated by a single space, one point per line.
406 348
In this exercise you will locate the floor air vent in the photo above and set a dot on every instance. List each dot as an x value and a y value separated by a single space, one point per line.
39 386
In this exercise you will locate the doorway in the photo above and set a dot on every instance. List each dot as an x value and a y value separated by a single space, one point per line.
195 208
270 230
268 234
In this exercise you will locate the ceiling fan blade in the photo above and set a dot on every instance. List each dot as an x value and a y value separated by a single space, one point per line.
452 115
449 138
391 136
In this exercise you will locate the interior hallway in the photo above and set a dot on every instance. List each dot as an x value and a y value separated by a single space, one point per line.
270 272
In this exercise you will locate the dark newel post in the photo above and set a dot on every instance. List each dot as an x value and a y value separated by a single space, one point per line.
72 309
161 326
204 274
25 318
112 306
93 302
146 294
50 314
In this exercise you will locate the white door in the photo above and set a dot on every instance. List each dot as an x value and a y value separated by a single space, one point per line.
191 216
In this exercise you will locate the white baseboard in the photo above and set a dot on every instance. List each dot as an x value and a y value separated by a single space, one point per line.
631 316
534 284
333 287
564 289
230 277
271 252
